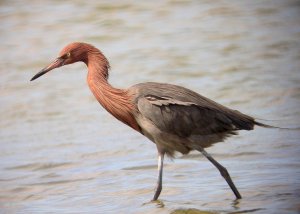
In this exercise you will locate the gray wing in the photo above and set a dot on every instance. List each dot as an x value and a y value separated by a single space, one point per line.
183 118
177 110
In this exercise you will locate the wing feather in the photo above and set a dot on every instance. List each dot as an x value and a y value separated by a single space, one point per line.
177 110
183 118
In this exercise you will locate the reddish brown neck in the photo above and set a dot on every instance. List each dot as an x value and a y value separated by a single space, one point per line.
116 101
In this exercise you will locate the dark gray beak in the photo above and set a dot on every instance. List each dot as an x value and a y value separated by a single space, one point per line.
55 64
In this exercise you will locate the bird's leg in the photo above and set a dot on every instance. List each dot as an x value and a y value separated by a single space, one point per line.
160 172
223 172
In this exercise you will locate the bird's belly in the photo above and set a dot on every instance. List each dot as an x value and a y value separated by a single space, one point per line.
165 142
171 142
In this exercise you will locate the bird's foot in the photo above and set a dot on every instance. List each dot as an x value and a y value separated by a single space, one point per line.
158 203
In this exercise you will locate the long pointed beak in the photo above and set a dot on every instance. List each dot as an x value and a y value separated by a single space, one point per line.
55 64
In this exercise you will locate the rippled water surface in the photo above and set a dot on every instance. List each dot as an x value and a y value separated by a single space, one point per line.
60 152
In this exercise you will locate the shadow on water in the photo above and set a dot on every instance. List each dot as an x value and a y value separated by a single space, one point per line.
191 211
198 211
161 204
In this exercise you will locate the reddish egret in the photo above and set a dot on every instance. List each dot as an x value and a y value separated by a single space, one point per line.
176 119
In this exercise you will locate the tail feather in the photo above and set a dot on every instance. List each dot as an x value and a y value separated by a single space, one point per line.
246 122
276 127
265 125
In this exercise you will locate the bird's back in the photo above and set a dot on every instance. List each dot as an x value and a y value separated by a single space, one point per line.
186 115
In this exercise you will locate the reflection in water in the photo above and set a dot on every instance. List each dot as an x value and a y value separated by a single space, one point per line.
60 152
191 211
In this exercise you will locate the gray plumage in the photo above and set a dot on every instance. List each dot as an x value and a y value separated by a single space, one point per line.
178 119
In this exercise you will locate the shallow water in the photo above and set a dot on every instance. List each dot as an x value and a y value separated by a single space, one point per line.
60 152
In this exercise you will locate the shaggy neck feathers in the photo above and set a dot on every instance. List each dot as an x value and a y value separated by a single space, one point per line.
116 101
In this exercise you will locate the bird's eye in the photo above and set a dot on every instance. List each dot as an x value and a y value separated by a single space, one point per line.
66 56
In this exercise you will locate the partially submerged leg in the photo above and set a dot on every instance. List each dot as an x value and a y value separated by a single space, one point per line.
160 172
223 172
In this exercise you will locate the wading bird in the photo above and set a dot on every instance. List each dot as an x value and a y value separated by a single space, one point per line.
176 119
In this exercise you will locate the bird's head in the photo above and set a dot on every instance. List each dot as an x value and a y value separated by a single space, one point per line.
71 53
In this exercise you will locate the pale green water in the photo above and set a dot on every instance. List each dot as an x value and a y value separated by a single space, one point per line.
60 152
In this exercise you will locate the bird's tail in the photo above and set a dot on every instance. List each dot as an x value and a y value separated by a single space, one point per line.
276 127
264 125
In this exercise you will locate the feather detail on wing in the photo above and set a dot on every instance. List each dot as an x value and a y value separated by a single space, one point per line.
179 110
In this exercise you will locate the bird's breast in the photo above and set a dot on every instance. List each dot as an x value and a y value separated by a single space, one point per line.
117 102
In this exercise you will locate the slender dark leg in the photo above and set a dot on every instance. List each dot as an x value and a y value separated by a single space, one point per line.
160 172
223 172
